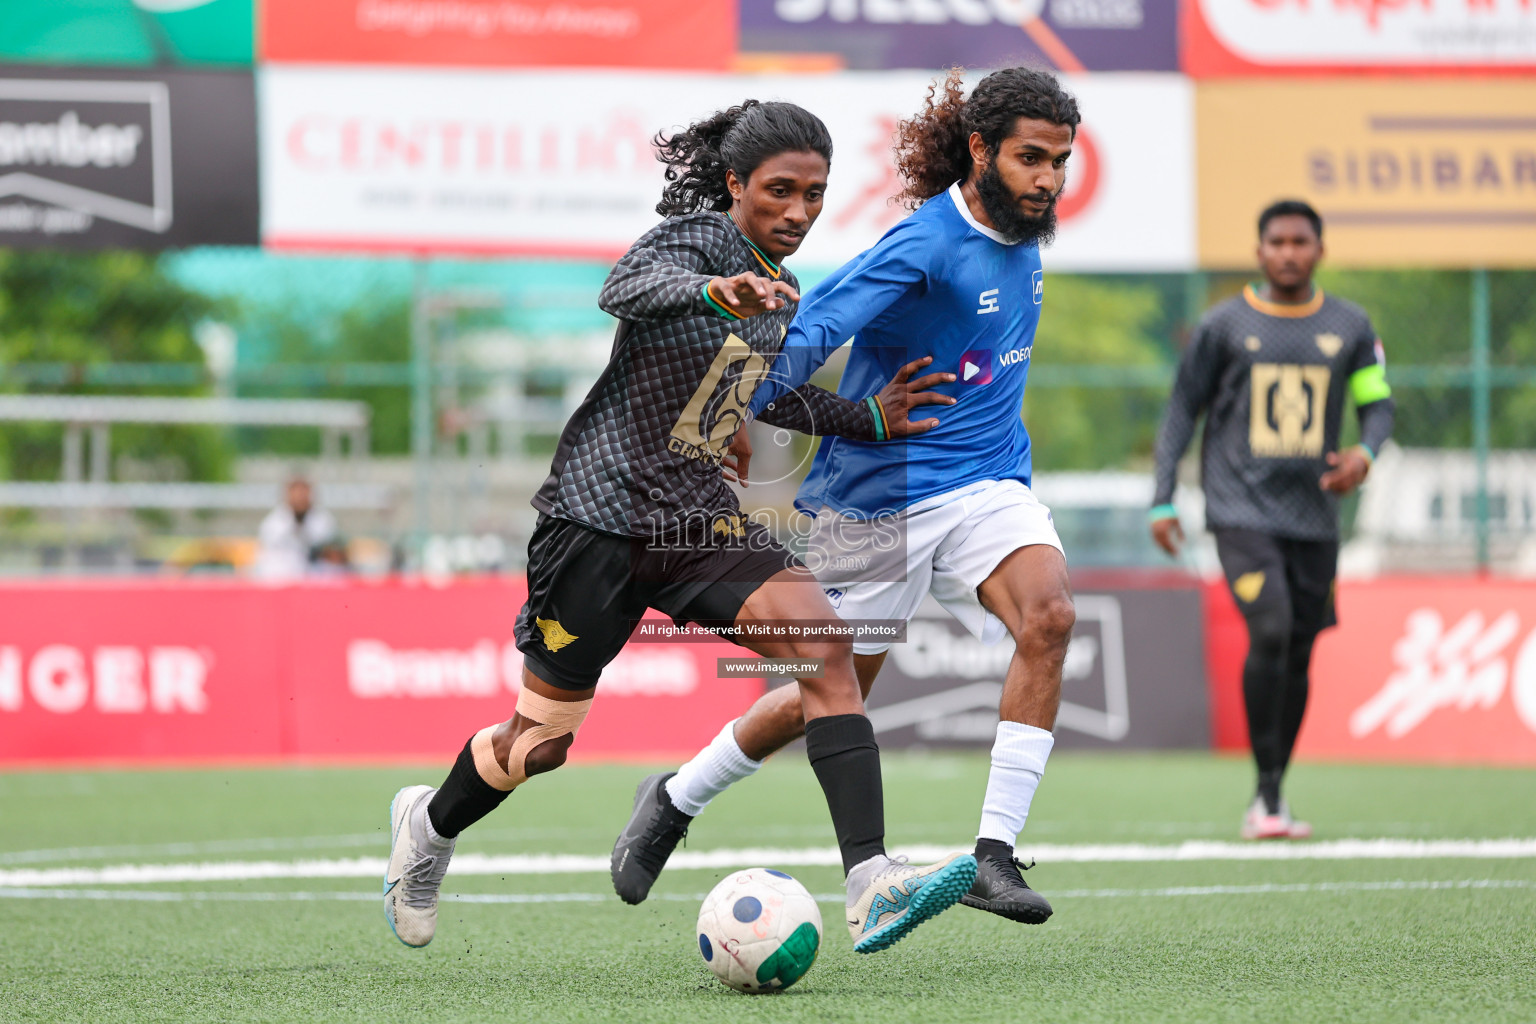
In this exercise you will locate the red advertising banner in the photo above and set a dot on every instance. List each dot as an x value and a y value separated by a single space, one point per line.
1221 38
698 34
1418 670
224 671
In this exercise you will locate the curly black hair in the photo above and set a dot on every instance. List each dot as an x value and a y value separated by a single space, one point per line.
738 139
933 149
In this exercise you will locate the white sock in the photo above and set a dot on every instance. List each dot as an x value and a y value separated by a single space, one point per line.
1018 761
440 842
710 773
862 874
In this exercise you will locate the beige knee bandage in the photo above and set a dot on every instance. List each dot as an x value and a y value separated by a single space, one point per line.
555 718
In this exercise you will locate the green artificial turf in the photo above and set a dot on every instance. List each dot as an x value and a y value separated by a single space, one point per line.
1122 946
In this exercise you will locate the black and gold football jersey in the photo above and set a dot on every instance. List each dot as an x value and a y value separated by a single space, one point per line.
1272 380
643 450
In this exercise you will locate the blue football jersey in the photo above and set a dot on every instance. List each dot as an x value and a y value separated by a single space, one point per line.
939 283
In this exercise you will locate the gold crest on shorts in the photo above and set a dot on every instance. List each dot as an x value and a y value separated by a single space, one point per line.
555 635
1248 587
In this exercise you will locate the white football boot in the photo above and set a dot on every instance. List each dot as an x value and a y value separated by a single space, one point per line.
887 898
415 870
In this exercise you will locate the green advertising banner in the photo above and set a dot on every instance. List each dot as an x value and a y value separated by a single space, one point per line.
141 33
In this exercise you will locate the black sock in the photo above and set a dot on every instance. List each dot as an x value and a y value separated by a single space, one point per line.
463 798
994 848
846 760
1264 694
1269 789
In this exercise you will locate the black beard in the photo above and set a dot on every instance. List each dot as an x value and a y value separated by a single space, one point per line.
1014 224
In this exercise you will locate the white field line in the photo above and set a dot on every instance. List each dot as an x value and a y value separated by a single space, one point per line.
162 896
555 864
288 844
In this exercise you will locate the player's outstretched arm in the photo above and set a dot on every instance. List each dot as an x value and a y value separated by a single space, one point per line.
881 417
670 273
900 398
749 294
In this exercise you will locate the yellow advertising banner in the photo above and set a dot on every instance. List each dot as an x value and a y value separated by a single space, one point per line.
1406 172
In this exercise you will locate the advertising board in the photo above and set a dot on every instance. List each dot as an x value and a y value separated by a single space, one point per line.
1269 37
1405 172
92 158
502 33
561 164
128 32
121 671
1069 35
1134 677
1427 670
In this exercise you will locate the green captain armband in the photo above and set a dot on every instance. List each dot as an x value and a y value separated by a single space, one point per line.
1369 384
1162 512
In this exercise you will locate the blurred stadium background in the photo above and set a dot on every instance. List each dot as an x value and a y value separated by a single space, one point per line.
360 241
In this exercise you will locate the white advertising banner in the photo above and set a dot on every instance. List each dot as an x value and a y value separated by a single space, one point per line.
561 163
1375 33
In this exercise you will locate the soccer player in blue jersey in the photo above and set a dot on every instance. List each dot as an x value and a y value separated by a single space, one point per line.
959 281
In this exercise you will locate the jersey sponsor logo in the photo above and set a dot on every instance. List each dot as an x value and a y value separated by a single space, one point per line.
1286 416
556 636
976 367
1037 279
1015 356
988 300
1329 344
719 404
1248 587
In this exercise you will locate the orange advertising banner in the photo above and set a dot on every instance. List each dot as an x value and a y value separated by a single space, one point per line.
1404 171
1426 670
697 34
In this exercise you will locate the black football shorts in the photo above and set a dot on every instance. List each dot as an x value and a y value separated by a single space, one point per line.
587 590
1269 573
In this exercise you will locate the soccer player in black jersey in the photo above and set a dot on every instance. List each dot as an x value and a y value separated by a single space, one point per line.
1270 369
636 514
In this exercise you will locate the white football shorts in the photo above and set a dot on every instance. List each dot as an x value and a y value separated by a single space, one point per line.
946 546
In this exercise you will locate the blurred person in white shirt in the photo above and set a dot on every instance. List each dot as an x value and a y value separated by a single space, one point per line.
291 531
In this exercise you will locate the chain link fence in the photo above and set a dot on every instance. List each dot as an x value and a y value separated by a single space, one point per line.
504 350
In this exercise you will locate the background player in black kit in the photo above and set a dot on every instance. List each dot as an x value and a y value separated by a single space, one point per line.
636 514
1270 368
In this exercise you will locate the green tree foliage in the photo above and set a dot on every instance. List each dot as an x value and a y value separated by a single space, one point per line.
376 330
80 310
1092 322
1424 320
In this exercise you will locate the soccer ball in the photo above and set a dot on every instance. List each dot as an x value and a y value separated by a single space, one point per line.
759 930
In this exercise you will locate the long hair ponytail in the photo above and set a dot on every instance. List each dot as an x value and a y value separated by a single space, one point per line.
737 139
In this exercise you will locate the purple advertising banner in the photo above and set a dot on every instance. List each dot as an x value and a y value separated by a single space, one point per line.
1068 35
